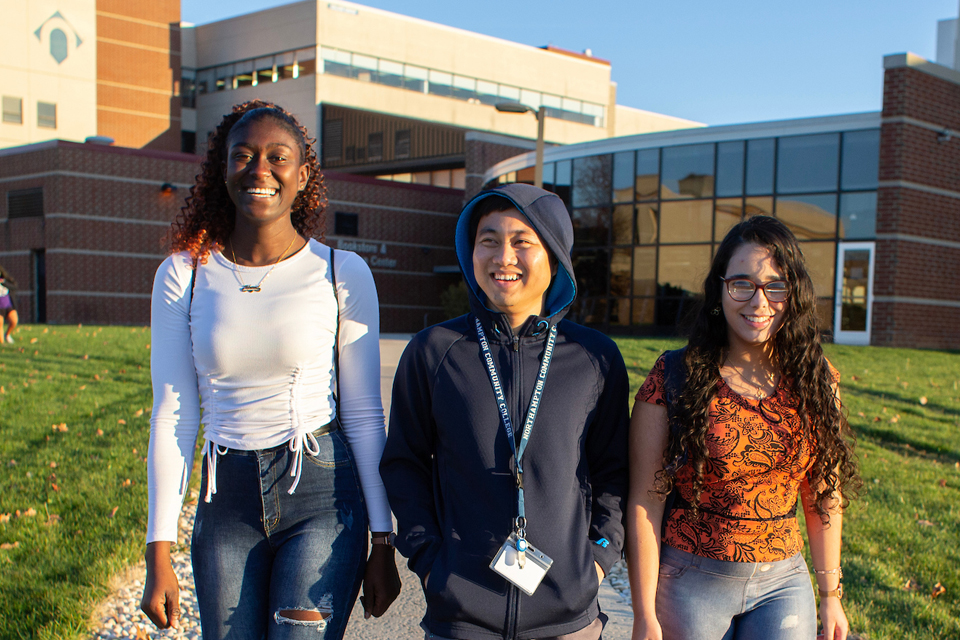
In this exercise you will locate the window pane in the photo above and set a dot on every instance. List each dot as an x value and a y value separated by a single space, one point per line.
548 173
591 227
687 172
591 269
620 272
648 220
758 207
509 94
759 167
12 110
623 176
730 161
686 221
589 311
727 214
861 159
620 311
562 181
645 271
809 217
643 311
648 173
623 224
47 115
682 269
821 259
808 163
858 215
591 180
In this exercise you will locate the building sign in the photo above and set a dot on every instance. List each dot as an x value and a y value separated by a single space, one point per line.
57 37
373 253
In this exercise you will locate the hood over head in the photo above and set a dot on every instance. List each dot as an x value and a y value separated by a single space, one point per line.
546 213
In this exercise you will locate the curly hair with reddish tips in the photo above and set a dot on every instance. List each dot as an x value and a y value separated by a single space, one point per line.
798 354
208 216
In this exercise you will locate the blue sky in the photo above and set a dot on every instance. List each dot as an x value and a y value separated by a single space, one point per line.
706 60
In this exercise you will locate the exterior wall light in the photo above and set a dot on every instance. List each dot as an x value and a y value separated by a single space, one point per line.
541 114
167 188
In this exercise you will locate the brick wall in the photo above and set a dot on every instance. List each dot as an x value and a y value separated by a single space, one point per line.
918 209
105 219
485 150
138 72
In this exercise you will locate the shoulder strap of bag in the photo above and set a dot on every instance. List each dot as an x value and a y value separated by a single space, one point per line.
675 378
336 337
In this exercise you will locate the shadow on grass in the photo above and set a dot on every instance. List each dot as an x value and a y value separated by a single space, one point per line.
896 442
910 402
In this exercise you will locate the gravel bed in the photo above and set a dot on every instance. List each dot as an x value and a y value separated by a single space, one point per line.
119 616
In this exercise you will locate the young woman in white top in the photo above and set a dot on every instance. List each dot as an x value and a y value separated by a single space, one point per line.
271 340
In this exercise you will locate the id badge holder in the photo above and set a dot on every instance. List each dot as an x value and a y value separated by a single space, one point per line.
528 577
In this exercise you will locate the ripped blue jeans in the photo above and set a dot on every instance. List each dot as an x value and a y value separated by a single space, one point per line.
260 555
704 599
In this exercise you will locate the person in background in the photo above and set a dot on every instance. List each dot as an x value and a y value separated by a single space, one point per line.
508 438
8 310
733 428
276 338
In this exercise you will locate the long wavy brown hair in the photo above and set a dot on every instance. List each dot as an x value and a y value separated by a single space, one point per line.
798 355
208 216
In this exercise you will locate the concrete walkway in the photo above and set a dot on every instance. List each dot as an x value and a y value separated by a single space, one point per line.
402 621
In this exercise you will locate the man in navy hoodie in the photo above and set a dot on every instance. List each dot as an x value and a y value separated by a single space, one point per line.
511 369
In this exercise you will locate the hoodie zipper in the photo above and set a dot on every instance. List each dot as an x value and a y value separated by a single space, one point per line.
514 602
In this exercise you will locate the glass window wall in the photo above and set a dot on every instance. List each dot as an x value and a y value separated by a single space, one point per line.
648 222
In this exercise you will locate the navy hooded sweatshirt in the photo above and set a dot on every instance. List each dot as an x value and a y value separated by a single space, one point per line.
449 471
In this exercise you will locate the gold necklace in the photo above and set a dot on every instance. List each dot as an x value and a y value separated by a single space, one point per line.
255 288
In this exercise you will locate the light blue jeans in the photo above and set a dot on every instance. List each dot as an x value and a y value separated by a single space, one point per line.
704 599
259 552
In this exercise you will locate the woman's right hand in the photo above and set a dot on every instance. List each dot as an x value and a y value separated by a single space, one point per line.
161 591
646 629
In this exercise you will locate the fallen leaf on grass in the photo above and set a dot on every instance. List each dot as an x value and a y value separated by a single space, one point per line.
96 376
99 432
876 418
12 463
62 427
52 520
86 357
138 413
53 465
861 414
34 340
2 390
925 523
83 386
911 585
55 487
29 513
943 482
10 545
895 419
121 421
938 590
113 512
126 483
923 399
4 518
854 378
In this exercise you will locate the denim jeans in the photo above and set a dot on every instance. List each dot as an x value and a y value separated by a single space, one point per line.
259 553
704 599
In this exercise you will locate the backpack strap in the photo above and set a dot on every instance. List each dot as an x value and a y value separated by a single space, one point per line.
675 378
336 337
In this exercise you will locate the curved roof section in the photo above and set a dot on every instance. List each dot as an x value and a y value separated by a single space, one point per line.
696 135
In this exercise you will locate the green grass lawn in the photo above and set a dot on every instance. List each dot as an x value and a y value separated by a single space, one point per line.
80 488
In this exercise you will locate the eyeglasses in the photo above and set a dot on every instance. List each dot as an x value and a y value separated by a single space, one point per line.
743 290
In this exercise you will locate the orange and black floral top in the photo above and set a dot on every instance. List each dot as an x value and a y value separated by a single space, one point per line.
757 462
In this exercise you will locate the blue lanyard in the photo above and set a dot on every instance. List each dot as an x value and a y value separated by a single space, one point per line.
505 413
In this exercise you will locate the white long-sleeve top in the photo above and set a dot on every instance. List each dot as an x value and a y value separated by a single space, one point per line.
260 365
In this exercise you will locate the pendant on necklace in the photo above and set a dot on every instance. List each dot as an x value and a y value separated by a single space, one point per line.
250 288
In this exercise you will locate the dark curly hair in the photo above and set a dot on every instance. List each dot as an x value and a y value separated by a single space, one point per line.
208 217
798 355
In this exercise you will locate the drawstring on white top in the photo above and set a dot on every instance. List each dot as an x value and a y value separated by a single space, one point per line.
297 445
211 452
